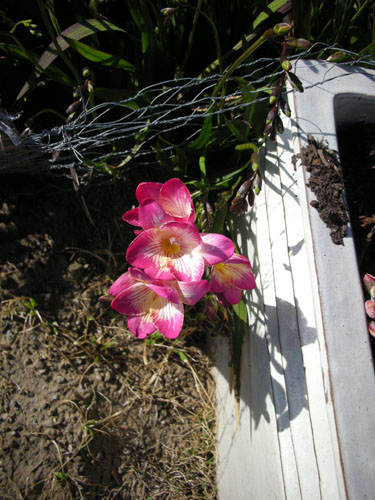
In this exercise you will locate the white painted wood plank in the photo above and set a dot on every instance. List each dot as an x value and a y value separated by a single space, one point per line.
325 443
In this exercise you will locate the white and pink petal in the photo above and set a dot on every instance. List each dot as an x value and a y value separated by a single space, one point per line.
152 215
216 248
148 191
168 317
135 300
175 199
192 291
141 326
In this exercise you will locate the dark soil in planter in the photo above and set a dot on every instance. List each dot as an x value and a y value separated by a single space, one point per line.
86 409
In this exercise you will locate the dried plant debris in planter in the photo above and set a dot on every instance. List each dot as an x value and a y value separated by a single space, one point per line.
326 183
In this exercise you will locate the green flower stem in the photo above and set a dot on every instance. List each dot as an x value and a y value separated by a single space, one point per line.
239 60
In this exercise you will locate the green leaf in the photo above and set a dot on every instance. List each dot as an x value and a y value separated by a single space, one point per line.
76 32
219 217
99 56
269 9
236 132
202 165
204 135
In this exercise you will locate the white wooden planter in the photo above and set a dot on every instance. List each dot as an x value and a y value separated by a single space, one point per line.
307 428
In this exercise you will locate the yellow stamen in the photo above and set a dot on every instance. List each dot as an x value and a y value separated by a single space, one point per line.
219 267
170 246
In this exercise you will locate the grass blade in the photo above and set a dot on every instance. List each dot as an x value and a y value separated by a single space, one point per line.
76 32
98 56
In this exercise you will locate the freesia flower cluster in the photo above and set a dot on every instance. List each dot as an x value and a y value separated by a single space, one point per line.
369 282
169 258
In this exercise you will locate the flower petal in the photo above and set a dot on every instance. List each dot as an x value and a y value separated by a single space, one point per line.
370 308
141 326
122 282
216 248
148 191
145 249
234 272
132 217
168 317
175 199
188 267
371 328
171 249
152 215
232 295
193 291
134 300
166 292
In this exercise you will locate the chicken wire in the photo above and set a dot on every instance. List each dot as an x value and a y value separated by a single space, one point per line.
114 133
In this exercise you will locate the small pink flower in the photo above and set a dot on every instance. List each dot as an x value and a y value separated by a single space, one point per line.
177 251
371 328
161 203
370 308
369 282
154 304
230 277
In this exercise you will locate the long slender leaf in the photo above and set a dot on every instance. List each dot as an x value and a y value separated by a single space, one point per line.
99 56
204 135
269 9
76 32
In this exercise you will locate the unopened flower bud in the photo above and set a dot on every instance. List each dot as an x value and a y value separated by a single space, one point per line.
271 115
298 43
254 159
244 188
86 72
90 86
282 29
257 183
70 118
279 124
285 108
168 11
250 197
276 92
268 129
73 107
286 65
238 206
211 308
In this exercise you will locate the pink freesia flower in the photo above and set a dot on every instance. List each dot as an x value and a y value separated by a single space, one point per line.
154 304
230 277
371 328
370 308
177 251
369 282
161 203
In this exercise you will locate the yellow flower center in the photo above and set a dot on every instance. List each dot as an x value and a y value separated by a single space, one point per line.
219 267
170 246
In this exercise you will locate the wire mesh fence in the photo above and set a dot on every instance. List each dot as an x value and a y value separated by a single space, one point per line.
157 119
